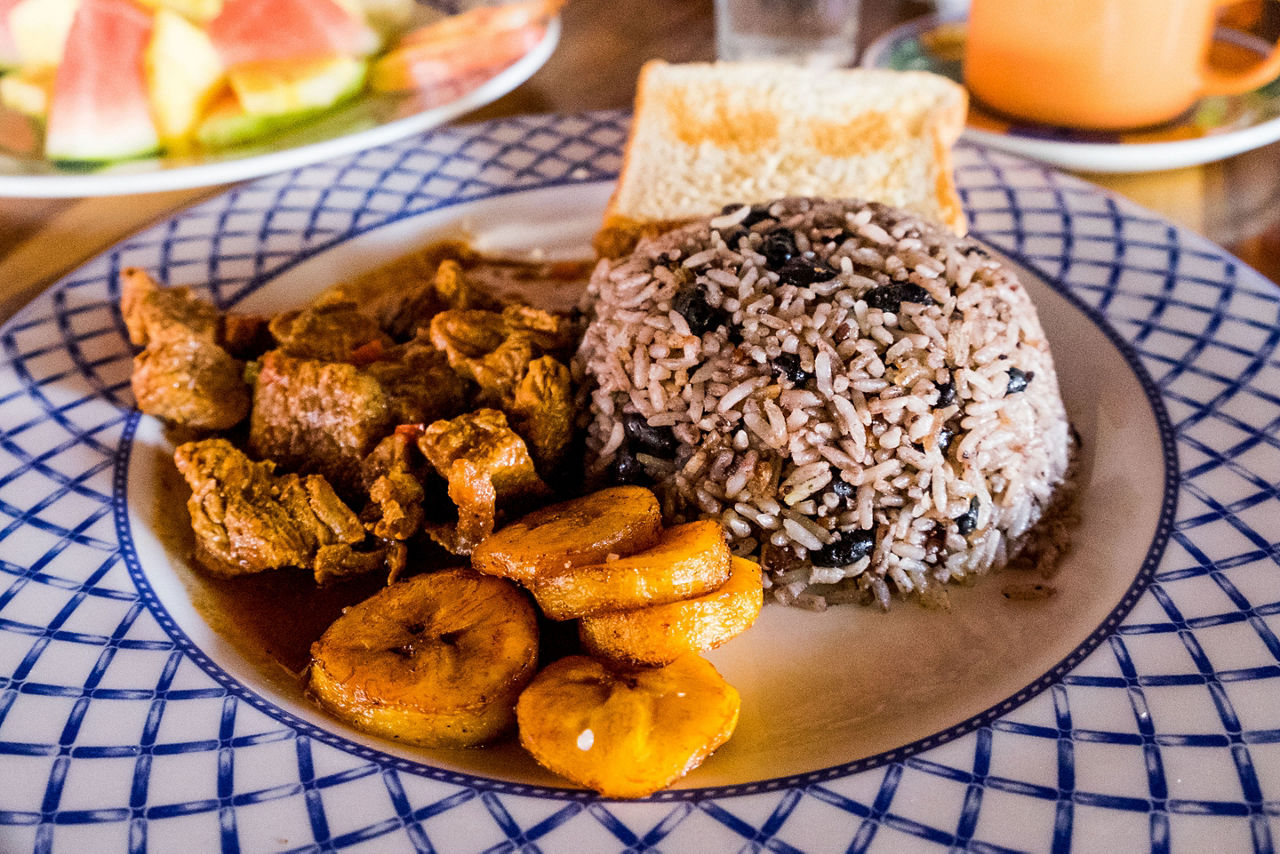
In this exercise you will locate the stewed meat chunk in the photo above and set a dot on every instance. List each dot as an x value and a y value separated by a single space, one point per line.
333 330
317 417
249 519
183 375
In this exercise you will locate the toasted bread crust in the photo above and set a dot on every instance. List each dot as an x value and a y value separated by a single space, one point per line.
705 135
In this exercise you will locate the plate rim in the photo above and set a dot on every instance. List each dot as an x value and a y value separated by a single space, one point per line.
337 737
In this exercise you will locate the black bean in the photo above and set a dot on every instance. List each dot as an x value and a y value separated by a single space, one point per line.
848 547
659 441
891 297
732 235
756 214
691 303
945 435
965 524
843 488
946 394
788 365
626 469
778 247
801 271
1019 380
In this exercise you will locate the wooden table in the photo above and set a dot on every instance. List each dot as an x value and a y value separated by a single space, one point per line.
1235 203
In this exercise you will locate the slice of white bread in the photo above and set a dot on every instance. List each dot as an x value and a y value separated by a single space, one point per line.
708 134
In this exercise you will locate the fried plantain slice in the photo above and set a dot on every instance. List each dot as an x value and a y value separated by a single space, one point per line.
660 634
437 660
626 732
688 560
620 520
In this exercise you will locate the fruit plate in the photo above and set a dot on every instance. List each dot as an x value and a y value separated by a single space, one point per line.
367 120
1138 707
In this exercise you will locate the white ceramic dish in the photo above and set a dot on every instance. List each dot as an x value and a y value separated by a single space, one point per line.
369 120
1214 129
1138 707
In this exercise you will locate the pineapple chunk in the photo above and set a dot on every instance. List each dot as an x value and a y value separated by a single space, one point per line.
39 29
28 91
184 73
278 88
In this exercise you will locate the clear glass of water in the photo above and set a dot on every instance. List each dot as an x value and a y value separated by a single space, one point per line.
816 33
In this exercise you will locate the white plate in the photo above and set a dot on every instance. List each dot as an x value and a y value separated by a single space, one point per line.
1213 129
367 121
1139 707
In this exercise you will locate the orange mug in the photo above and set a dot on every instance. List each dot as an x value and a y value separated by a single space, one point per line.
1099 64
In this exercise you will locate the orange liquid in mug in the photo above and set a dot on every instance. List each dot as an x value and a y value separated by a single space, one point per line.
1106 64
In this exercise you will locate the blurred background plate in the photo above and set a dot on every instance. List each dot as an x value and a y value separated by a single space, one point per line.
1215 128
369 120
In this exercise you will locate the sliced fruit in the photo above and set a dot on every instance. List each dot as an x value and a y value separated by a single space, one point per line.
486 37
28 91
389 18
8 48
226 123
483 20
100 109
39 30
184 73
285 30
437 660
626 732
687 560
621 520
662 633
200 11
279 88
427 63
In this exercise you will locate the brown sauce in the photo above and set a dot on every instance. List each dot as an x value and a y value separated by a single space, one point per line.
282 613
273 617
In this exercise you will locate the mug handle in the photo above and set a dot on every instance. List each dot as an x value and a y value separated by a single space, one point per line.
1219 82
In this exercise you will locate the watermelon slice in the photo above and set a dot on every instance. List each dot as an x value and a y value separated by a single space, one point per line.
284 30
100 109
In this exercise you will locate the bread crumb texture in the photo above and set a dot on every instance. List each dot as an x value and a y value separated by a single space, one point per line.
707 134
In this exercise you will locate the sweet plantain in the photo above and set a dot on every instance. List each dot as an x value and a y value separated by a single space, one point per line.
437 660
626 732
659 634
688 560
620 520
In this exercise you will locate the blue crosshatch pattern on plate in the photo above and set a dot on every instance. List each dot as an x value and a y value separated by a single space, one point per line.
191 760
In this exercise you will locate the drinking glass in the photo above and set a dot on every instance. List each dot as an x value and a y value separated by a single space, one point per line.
816 33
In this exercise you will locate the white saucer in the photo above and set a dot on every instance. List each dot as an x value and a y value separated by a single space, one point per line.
1215 128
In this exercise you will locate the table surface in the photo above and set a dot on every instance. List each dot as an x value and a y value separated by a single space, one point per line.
1235 202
